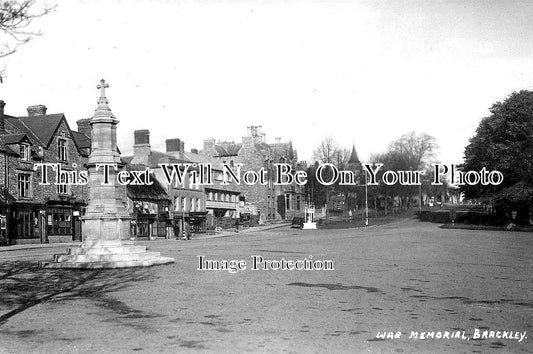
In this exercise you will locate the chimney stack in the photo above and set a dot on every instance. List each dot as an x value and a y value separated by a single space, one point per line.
209 146
2 120
142 137
84 126
194 151
141 146
254 135
173 145
37 110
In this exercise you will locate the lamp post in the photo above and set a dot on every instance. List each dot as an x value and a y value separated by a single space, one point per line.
420 196
366 199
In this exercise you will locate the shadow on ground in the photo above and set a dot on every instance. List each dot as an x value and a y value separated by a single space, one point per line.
24 285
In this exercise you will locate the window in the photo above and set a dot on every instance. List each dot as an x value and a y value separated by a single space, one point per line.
183 204
24 181
61 149
287 201
192 205
62 187
298 203
59 221
177 204
198 204
210 197
24 152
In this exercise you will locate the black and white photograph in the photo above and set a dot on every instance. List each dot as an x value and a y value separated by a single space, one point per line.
274 176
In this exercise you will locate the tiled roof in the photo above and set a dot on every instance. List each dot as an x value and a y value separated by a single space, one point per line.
4 149
82 140
155 158
14 138
15 126
200 158
43 126
231 149
263 148
154 191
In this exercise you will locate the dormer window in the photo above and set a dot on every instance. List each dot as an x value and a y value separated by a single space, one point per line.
24 150
61 149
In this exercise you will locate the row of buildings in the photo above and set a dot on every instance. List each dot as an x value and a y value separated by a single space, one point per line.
33 212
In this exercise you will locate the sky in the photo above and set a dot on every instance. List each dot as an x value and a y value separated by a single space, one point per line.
363 72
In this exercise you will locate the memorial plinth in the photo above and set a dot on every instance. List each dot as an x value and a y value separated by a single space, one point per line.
106 224
309 223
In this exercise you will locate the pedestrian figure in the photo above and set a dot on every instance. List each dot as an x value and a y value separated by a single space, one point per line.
187 232
176 230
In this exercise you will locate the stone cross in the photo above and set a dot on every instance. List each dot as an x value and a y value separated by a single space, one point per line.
102 88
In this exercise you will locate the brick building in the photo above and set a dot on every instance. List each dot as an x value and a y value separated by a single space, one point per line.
32 212
272 202
197 205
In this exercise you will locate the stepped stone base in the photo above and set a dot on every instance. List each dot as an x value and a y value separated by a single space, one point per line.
108 254
309 226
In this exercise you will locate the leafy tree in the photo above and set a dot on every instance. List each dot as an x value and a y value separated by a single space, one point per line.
411 152
504 141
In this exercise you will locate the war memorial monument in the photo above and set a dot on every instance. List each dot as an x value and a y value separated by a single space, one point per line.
106 224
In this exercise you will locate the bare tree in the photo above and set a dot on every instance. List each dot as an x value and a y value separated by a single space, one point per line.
326 152
16 17
417 149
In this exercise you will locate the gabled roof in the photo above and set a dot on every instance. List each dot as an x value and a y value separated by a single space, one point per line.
15 138
43 126
16 126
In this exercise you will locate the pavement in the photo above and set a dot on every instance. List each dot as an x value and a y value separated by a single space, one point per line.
223 233
403 281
